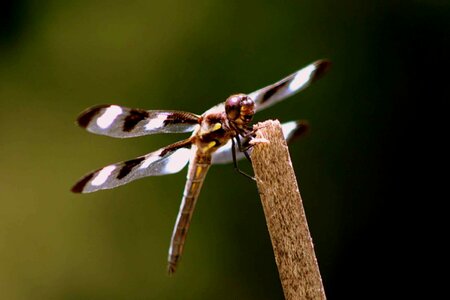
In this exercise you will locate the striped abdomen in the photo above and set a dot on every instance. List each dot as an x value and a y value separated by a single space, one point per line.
198 167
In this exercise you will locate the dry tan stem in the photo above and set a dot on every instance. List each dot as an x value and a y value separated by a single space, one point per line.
285 216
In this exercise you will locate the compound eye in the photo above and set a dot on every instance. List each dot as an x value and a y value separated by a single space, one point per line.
233 107
247 102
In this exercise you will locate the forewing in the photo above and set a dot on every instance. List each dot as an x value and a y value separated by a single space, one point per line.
123 122
291 130
168 160
284 88
290 85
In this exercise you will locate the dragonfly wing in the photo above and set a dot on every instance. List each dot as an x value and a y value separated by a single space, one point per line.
291 130
289 85
168 160
123 122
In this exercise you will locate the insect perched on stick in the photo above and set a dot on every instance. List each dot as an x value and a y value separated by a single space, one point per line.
220 135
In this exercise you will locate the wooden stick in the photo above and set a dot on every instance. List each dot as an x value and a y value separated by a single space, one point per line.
285 216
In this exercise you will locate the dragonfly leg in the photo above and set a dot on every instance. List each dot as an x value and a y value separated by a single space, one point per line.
244 149
236 167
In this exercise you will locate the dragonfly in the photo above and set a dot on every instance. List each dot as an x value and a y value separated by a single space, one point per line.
220 135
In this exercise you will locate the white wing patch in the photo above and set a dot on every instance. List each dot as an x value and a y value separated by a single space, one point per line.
302 77
103 175
177 161
156 123
109 116
288 128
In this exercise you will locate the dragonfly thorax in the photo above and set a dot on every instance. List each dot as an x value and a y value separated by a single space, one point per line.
240 110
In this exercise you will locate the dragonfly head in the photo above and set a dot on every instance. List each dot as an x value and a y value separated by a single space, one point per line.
240 109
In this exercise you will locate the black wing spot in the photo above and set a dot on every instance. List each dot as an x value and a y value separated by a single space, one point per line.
133 118
272 91
86 117
79 186
322 68
302 129
128 167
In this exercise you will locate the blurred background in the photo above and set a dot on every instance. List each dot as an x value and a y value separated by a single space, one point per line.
366 169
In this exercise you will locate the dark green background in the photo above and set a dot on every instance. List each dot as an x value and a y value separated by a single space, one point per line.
365 170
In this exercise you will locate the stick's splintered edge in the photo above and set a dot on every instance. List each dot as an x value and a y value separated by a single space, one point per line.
259 141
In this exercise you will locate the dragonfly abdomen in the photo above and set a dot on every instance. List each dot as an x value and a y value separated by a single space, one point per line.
198 167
